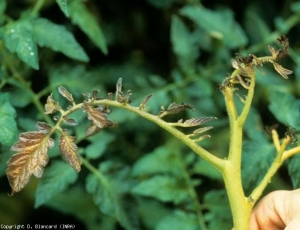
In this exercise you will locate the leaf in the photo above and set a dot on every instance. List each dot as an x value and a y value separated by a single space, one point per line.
220 25
162 160
285 108
31 158
57 38
164 4
63 5
69 149
20 96
97 148
88 24
106 197
97 117
55 180
202 167
43 127
183 45
258 157
164 188
282 71
198 121
8 126
2 6
51 106
66 94
174 108
179 220
218 209
68 203
92 130
294 170
69 121
19 38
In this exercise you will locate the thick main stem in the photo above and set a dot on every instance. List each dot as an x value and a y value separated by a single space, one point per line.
241 206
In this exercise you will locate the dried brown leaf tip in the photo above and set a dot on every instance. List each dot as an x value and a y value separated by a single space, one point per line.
283 52
31 157
291 132
69 149
51 106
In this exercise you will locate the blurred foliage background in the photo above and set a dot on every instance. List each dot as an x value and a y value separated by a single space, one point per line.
178 50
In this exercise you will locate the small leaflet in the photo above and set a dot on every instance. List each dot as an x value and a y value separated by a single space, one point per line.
69 149
174 108
43 127
66 94
69 121
51 106
198 121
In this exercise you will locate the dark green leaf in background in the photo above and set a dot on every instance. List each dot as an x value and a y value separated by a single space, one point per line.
19 38
286 108
2 6
8 126
294 170
161 160
202 167
218 24
217 204
106 197
98 146
63 5
88 24
58 38
258 156
55 180
183 44
179 220
164 188
74 201
161 3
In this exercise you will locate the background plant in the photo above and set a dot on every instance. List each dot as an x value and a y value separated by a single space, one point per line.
152 181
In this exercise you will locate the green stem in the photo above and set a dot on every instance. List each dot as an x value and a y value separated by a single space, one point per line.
240 205
37 7
271 172
213 160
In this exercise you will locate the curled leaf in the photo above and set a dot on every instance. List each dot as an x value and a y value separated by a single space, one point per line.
197 121
51 106
120 96
43 127
98 117
92 130
69 121
94 94
282 71
31 158
66 94
145 101
201 130
69 150
174 108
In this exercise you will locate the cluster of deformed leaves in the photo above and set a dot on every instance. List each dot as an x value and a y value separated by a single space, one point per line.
245 65
32 146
